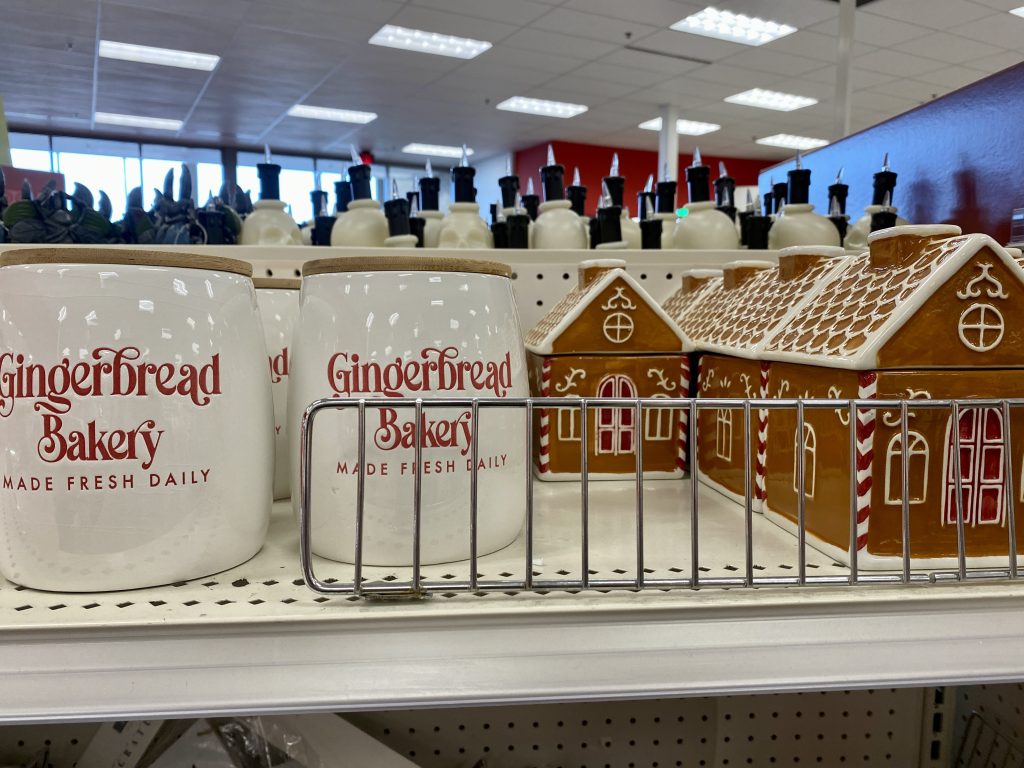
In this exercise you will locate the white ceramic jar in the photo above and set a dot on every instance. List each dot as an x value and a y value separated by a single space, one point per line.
558 227
798 224
463 228
136 415
432 227
705 227
388 327
278 300
270 224
363 224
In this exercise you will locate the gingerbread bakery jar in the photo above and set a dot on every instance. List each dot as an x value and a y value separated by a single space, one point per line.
278 300
400 327
136 416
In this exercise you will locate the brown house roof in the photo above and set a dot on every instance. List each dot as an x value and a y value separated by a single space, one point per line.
859 308
682 302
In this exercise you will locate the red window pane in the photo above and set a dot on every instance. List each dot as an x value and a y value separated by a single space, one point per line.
992 463
951 511
626 417
606 441
993 425
988 508
605 417
967 419
626 442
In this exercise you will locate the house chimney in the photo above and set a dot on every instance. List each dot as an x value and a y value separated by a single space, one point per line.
794 261
695 278
897 245
738 272
592 269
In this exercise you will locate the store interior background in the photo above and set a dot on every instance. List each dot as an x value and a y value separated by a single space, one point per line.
619 58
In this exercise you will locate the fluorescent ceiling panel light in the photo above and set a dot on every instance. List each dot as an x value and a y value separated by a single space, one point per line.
137 121
542 107
762 99
435 150
789 141
167 57
329 113
684 127
419 40
1018 11
734 27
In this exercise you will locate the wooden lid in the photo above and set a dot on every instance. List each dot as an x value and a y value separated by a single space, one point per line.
404 264
287 283
124 255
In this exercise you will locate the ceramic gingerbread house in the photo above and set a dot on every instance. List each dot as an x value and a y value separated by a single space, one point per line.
729 326
696 285
608 338
925 313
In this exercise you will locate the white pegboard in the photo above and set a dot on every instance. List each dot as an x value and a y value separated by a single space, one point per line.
989 730
873 727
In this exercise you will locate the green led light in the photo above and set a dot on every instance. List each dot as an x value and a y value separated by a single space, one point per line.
682 212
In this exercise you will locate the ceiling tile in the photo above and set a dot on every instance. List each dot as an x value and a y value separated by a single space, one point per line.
658 13
741 79
764 60
953 77
531 39
880 102
943 15
1004 30
859 78
518 12
554 64
874 30
614 73
797 13
594 27
231 10
706 49
997 62
431 20
649 62
167 30
814 45
896 62
1000 5
916 90
585 89
952 49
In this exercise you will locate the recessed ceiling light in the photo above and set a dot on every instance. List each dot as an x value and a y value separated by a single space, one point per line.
138 121
542 107
167 57
685 127
734 27
435 150
330 113
789 141
782 102
1018 11
407 39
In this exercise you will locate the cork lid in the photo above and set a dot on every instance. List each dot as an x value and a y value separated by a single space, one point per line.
124 255
403 264
285 283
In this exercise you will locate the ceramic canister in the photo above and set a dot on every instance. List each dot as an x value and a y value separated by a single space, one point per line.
390 327
137 418
278 300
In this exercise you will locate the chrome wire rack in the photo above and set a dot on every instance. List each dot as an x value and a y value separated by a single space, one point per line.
639 534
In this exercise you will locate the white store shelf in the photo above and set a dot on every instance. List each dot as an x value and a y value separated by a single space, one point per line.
253 639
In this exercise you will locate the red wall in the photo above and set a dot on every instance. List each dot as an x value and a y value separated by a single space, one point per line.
636 165
958 158
14 176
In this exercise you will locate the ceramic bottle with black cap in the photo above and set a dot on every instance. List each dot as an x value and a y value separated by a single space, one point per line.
797 223
606 227
725 192
616 186
757 227
531 201
323 221
665 202
780 196
557 227
269 223
703 227
511 200
837 193
463 227
318 200
519 227
884 183
650 227
396 211
430 204
576 194
363 224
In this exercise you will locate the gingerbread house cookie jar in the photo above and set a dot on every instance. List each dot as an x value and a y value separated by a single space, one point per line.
608 338
925 313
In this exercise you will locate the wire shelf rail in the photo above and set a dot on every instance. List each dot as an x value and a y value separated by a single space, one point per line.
414 583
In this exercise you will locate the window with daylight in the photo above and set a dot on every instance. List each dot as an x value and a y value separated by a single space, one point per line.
110 166
658 422
723 433
615 426
568 424
809 452
31 152
917 469
982 485
297 181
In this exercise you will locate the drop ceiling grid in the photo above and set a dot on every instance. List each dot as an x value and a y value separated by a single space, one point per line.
907 52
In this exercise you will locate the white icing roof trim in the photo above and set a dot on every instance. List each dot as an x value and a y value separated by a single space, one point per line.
831 251
592 292
607 263
701 273
748 264
915 230
866 357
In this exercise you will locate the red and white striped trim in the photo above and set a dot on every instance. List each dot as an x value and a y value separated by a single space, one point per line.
867 389
684 416
760 464
544 456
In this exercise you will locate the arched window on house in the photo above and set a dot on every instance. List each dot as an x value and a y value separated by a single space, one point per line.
723 434
808 450
917 469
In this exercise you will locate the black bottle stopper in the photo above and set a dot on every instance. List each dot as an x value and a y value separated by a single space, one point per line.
397 212
839 219
494 213
214 222
646 200
416 226
552 178
319 199
780 197
650 234
359 176
499 227
614 184
414 201
884 218
837 193
530 201
270 180
343 195
666 194
518 229
577 194
463 174
698 177
744 215
769 203
322 226
595 232
725 189
884 183
509 185
757 232
798 190
610 223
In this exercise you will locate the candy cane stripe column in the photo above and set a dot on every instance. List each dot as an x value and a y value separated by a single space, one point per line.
867 389
684 417
544 458
760 489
